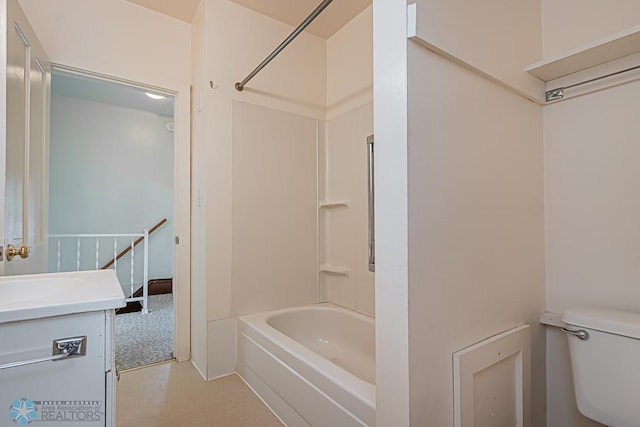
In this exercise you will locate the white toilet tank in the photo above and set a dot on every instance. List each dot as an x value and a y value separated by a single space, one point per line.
606 365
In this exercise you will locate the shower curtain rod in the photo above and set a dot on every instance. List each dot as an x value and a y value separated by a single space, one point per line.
317 11
558 93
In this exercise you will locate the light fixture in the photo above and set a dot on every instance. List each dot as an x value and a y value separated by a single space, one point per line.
154 96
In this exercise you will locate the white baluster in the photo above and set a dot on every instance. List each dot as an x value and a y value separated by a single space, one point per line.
145 275
115 252
97 252
59 255
78 256
133 252
115 255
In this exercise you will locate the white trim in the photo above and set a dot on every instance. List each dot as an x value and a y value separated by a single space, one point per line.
182 196
391 205
514 343
3 121
104 77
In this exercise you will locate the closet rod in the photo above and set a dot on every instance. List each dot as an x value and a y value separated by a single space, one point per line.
317 11
558 93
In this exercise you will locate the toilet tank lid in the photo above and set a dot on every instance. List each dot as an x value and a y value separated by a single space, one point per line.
618 322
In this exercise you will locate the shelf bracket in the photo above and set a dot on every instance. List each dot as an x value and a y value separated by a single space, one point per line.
554 94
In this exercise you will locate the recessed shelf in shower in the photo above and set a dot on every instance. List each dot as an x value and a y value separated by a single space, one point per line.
333 203
332 269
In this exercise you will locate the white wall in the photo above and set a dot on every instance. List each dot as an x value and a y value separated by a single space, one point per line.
498 38
199 290
111 171
592 203
295 82
590 175
476 236
592 208
569 24
473 248
126 41
350 65
343 165
344 229
274 208
113 37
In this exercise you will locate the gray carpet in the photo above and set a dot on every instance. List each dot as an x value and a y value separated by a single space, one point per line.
143 339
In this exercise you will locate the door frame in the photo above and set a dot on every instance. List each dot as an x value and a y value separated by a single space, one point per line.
182 198
3 123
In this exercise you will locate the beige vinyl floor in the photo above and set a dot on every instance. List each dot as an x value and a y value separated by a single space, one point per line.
174 394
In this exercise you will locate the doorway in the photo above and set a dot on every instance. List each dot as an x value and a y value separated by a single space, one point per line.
111 201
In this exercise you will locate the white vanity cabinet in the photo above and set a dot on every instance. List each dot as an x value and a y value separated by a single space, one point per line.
75 390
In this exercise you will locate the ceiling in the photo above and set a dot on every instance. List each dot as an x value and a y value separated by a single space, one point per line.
291 12
180 9
75 86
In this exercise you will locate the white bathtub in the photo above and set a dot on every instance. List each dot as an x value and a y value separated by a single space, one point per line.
312 365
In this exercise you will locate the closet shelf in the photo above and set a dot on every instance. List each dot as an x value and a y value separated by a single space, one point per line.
326 268
333 203
605 50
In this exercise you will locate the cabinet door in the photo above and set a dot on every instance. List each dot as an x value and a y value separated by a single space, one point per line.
70 391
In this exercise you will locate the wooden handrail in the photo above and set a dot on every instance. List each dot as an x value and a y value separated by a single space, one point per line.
138 240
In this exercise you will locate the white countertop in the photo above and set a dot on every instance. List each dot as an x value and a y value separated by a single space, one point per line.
35 296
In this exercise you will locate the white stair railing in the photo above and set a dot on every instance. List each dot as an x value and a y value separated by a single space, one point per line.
84 251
